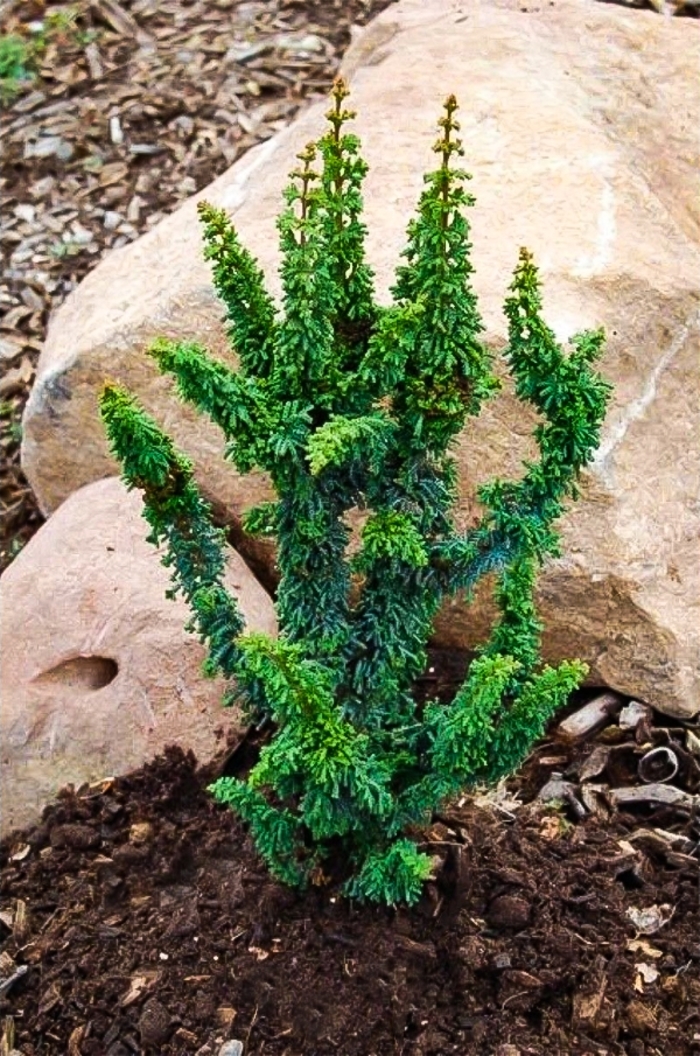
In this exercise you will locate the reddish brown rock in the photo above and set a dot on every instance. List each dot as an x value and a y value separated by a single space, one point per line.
98 674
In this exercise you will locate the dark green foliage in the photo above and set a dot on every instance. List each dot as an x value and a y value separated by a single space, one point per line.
349 405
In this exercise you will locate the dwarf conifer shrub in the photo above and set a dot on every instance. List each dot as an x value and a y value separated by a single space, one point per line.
347 405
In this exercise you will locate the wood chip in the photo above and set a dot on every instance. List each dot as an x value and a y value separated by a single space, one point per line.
692 742
646 975
186 1036
558 790
154 1023
75 1041
641 1018
94 61
116 17
7 1038
225 1016
595 763
138 986
587 1001
590 718
661 841
113 173
645 948
51 997
16 379
667 794
20 923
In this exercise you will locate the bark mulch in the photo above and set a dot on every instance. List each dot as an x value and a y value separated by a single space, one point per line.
128 109
137 918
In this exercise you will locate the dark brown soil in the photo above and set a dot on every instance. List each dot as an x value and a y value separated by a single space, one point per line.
152 927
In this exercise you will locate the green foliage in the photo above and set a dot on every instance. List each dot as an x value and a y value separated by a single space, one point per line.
350 405
21 56
15 65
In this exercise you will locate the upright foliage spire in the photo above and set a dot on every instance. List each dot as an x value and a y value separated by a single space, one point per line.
447 375
351 278
349 405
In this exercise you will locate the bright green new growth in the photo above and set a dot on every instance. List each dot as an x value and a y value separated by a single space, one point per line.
348 405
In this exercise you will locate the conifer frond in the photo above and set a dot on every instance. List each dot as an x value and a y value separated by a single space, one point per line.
179 517
352 280
240 283
237 404
448 374
364 438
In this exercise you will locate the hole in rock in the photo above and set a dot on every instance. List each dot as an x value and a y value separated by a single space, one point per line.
81 672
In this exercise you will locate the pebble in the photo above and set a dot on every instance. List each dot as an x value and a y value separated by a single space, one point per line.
184 123
632 714
144 183
115 130
141 832
25 212
145 148
310 42
22 254
34 99
188 185
133 211
40 188
231 1048
49 147
112 220
80 235
10 350
32 299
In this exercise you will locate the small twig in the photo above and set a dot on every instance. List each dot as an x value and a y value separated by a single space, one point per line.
250 1028
12 979
514 997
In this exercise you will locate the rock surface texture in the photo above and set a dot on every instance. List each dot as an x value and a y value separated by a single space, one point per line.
98 674
579 127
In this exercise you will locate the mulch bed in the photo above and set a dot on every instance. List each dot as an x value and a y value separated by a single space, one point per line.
137 918
134 106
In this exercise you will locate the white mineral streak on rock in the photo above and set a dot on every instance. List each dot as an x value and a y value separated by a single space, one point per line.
637 408
606 230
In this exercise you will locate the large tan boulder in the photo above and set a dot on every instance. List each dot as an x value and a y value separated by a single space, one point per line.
98 674
580 127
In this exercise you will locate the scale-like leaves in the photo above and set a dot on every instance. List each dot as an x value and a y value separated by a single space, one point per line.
352 408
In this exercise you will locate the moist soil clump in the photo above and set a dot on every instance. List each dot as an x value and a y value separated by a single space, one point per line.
137 918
